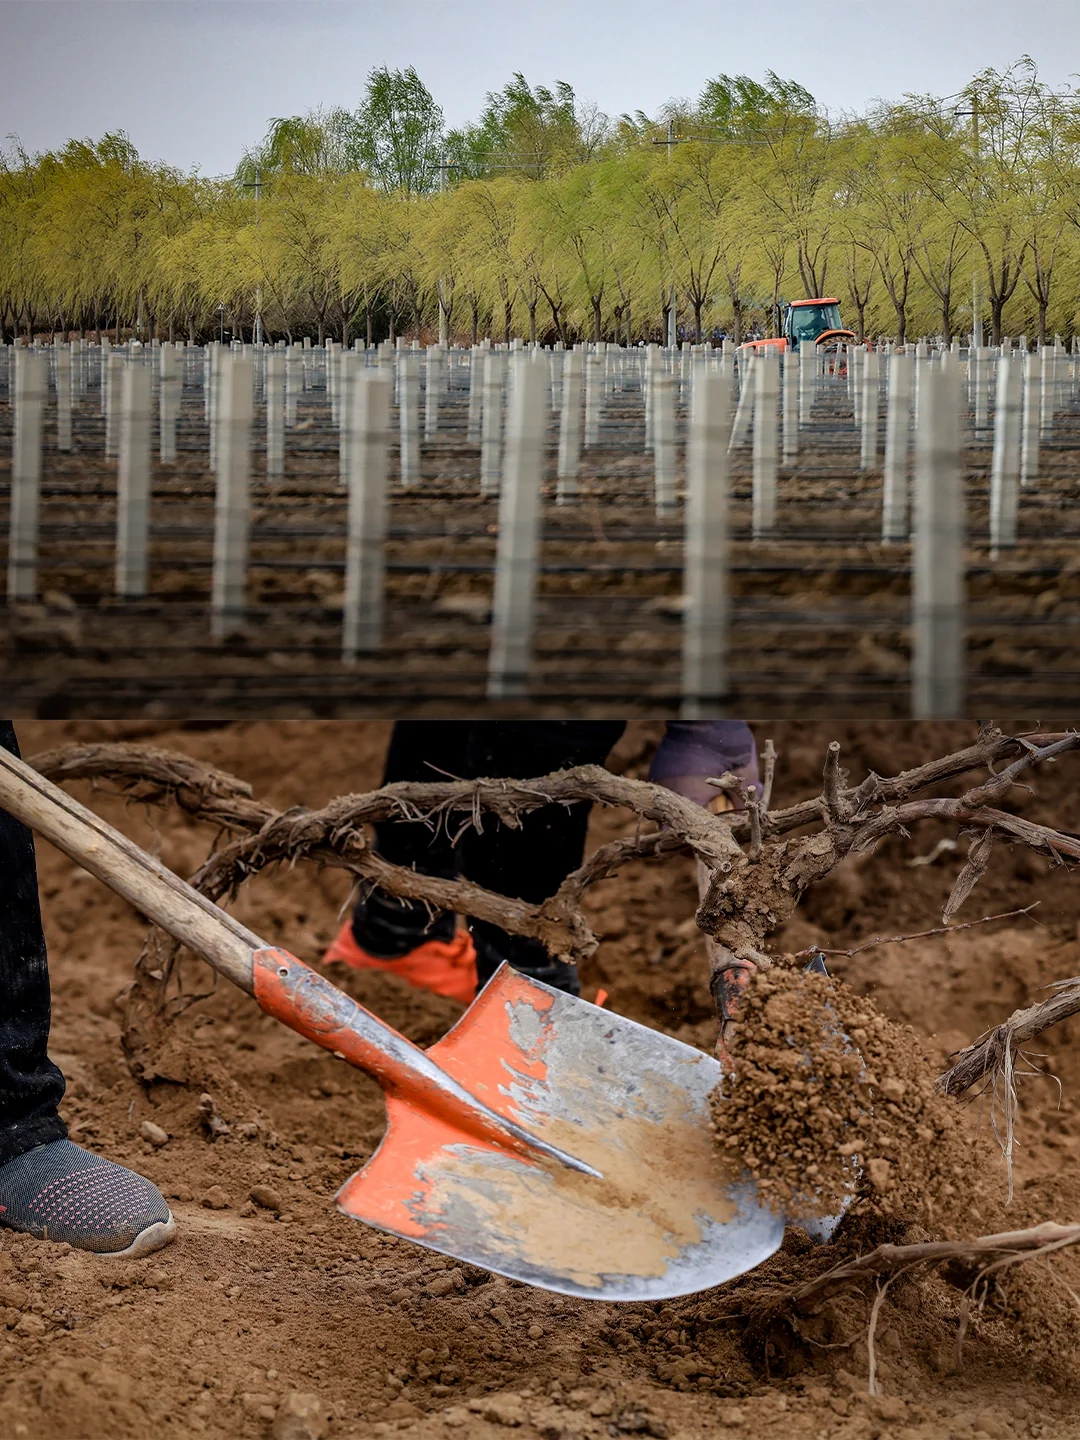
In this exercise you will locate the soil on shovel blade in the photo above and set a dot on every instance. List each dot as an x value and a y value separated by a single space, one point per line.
269 1296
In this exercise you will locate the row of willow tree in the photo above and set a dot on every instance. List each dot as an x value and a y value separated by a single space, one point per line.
550 220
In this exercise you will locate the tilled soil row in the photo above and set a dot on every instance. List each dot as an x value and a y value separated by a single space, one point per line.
820 610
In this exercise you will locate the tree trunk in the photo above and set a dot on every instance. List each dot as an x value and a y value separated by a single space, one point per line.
596 318
997 305
697 304
532 322
475 307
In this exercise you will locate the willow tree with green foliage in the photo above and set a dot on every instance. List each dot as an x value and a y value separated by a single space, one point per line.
545 218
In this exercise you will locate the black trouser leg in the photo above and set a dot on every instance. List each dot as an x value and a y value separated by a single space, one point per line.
384 926
529 863
31 1086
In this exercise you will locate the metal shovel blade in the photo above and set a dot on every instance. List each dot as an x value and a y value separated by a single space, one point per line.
662 1218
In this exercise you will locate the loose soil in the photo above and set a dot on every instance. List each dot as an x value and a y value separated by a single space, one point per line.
268 1292
832 1110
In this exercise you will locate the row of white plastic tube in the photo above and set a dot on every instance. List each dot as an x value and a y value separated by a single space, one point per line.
516 457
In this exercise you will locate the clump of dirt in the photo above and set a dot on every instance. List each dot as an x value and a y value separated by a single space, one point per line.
832 1106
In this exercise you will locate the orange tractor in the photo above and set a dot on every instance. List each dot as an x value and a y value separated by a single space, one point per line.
814 323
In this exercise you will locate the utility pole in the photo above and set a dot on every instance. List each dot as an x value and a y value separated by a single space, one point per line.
672 319
258 292
976 297
444 338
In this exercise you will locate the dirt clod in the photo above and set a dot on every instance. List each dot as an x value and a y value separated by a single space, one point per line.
300 1416
266 1197
507 1409
861 1123
215 1199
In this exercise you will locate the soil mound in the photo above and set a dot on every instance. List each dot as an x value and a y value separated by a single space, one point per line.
832 1107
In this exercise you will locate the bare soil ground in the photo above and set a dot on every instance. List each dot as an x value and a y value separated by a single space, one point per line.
820 610
254 1302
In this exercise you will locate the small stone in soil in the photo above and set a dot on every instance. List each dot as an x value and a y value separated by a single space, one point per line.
215 1199
266 1197
154 1133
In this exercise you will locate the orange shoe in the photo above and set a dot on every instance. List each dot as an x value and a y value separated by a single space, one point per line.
447 967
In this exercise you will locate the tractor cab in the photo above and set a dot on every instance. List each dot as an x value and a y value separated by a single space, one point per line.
814 322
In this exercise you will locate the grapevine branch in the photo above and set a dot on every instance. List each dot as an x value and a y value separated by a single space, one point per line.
969 1265
987 1056
746 893
979 1254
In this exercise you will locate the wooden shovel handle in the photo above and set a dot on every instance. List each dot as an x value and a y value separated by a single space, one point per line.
140 879
283 986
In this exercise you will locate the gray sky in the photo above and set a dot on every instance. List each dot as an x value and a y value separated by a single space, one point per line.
195 81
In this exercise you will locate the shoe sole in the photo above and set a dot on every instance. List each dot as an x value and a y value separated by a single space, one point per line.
147 1241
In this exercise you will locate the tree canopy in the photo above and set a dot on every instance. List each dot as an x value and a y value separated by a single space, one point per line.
546 218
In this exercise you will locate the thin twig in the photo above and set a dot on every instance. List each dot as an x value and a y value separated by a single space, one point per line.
743 902
832 785
919 935
768 756
754 809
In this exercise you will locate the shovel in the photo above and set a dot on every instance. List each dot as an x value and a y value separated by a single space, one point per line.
542 1138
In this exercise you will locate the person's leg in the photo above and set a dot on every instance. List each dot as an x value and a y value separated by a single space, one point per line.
31 1087
50 1187
420 750
529 863
692 752
404 936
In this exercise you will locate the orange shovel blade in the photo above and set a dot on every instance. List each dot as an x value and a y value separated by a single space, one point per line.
662 1218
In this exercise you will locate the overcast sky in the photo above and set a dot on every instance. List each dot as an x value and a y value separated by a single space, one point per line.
193 82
